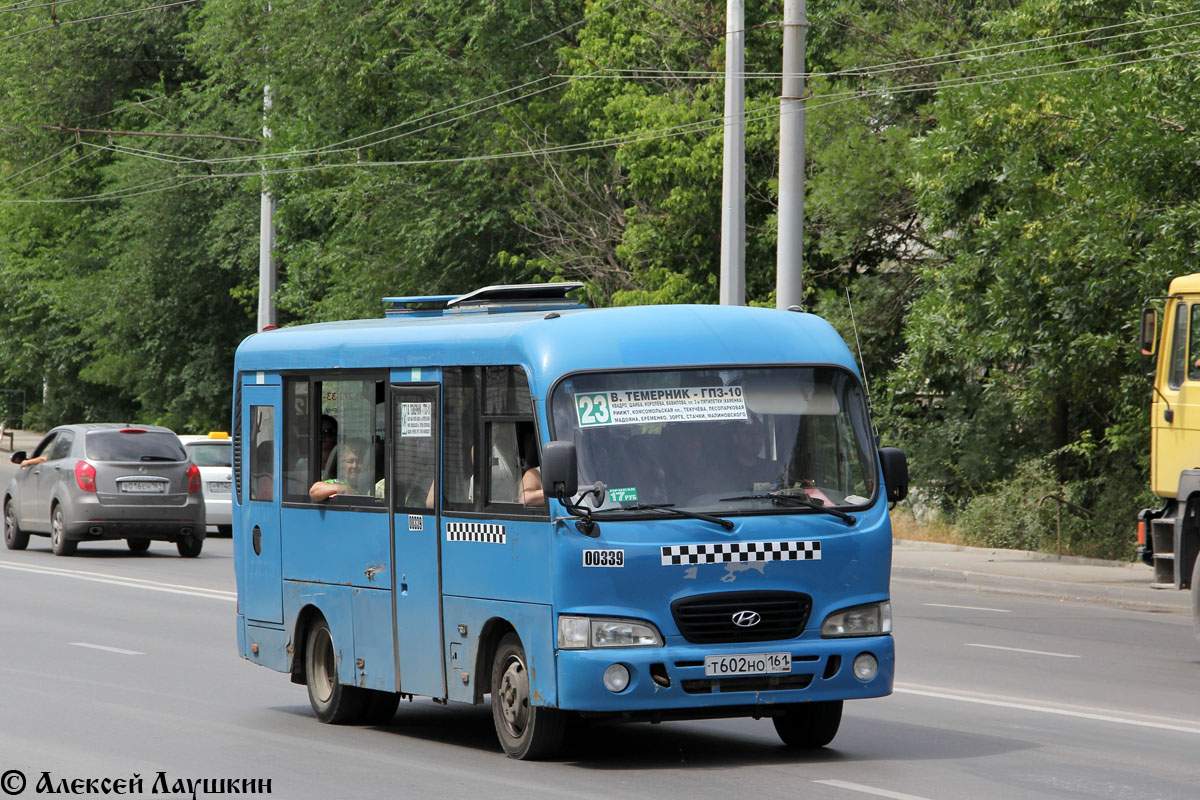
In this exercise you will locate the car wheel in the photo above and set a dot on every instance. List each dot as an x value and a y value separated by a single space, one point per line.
138 545
806 726
225 530
332 702
188 546
14 537
59 543
525 731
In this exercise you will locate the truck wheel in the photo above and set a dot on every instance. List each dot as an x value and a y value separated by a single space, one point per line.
807 726
14 537
331 701
1196 597
59 543
525 731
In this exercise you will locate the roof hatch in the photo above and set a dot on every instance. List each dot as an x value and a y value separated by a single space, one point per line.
488 300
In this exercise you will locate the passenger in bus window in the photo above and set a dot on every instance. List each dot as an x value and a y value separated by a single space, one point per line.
263 480
531 487
352 476
329 430
751 470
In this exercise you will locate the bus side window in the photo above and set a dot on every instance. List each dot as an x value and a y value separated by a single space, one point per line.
262 453
504 463
297 439
460 447
415 456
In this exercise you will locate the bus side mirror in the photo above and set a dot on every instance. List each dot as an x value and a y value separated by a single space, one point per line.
895 473
560 469
1149 330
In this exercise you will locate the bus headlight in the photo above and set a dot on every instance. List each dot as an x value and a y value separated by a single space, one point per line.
582 633
872 619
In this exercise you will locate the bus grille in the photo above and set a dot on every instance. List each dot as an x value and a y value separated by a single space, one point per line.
708 618
755 683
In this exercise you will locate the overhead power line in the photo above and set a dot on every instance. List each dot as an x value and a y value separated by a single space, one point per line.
149 133
771 113
63 22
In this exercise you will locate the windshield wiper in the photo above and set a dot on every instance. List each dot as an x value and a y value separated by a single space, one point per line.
849 519
679 512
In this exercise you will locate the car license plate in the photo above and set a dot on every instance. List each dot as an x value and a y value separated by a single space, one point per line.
751 664
219 487
143 487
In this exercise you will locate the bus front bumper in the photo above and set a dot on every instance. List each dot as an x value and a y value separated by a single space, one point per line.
671 682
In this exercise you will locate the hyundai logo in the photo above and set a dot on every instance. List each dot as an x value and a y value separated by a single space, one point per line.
746 619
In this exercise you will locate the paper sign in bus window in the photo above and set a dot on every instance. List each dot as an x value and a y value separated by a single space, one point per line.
648 406
416 419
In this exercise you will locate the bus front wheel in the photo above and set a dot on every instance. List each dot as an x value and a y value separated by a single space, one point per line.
331 701
525 731
809 725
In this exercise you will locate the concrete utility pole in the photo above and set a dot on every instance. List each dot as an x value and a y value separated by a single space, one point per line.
266 239
733 190
789 263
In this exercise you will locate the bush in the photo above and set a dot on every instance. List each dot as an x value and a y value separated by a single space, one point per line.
1020 514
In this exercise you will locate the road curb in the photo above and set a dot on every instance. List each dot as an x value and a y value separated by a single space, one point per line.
1147 599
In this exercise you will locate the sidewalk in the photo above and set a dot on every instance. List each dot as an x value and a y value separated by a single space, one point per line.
1038 574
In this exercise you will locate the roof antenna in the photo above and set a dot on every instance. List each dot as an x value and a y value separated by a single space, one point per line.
862 367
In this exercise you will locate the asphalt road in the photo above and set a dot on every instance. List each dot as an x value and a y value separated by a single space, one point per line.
114 664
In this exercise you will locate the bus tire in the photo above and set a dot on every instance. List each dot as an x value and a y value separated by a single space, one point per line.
1196 597
525 731
332 702
379 707
14 537
806 726
59 543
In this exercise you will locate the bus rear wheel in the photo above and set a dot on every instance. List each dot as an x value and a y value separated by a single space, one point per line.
525 731
332 702
807 726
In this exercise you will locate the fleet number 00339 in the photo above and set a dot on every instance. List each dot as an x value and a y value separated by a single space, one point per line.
753 664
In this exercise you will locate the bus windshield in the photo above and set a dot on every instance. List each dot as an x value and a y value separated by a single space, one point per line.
728 440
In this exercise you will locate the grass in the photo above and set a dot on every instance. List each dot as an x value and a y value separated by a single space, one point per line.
906 526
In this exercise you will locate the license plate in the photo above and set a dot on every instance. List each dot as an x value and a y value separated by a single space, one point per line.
751 664
143 487
219 487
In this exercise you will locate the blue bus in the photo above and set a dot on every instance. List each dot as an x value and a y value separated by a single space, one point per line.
650 513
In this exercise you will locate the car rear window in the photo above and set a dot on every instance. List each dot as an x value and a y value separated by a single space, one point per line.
210 455
118 445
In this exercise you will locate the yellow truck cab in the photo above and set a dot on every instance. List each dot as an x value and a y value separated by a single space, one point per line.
1169 537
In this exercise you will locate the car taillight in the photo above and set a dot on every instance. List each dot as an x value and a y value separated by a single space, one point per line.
193 479
85 476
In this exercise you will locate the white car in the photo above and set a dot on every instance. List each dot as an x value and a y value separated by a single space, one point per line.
213 454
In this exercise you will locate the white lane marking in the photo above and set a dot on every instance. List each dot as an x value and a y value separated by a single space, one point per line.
107 649
859 787
1023 650
118 580
971 608
1100 715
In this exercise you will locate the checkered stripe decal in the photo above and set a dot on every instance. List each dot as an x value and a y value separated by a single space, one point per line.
475 532
740 552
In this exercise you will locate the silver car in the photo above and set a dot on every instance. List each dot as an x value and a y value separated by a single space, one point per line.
106 481
213 454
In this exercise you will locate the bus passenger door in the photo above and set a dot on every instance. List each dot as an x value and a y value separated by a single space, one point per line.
414 469
259 552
